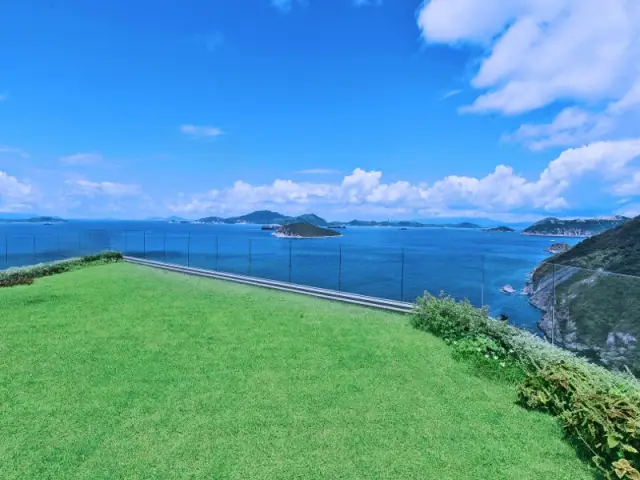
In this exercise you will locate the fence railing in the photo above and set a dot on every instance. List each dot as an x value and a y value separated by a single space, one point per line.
594 313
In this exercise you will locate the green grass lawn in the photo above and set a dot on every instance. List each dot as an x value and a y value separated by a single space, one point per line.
121 371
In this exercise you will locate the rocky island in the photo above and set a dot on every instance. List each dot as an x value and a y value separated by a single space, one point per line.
581 227
558 248
45 220
586 307
502 229
304 230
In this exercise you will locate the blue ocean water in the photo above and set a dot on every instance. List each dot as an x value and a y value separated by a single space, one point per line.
379 261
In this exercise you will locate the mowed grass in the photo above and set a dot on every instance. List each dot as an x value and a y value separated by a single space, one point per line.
120 371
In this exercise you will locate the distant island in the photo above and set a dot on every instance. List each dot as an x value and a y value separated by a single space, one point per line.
596 312
267 217
33 220
499 229
304 230
558 248
581 227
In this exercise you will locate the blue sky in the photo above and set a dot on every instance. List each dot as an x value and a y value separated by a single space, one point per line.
509 110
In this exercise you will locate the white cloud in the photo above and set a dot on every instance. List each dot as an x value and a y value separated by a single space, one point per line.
201 131
628 186
499 192
88 188
538 52
14 193
318 171
14 151
82 159
450 93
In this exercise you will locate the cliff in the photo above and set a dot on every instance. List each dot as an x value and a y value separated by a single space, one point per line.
593 310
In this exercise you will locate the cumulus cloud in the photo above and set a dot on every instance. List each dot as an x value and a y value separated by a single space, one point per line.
500 191
88 188
538 52
201 131
14 193
628 186
82 159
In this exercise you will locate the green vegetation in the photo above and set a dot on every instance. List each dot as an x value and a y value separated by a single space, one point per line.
120 371
595 313
305 230
600 410
26 275
502 229
573 228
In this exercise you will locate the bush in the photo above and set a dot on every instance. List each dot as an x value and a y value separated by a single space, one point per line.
600 410
26 275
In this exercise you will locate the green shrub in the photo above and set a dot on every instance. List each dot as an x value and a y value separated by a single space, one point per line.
26 275
599 409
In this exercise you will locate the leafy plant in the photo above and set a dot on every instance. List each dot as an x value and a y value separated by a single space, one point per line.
26 275
599 409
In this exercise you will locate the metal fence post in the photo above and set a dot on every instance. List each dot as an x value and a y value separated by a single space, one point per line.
290 244
553 308
250 259
482 284
340 267
189 249
402 278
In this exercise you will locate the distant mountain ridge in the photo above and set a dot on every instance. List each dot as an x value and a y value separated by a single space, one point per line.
33 220
268 217
579 227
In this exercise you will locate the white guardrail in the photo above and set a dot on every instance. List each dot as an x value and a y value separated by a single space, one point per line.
362 300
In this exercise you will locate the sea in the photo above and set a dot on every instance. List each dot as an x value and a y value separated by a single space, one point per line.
385 262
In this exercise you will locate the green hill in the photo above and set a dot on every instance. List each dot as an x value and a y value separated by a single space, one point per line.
581 227
305 230
597 313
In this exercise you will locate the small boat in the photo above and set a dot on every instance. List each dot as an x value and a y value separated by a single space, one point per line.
508 289
403 228
270 227
48 223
